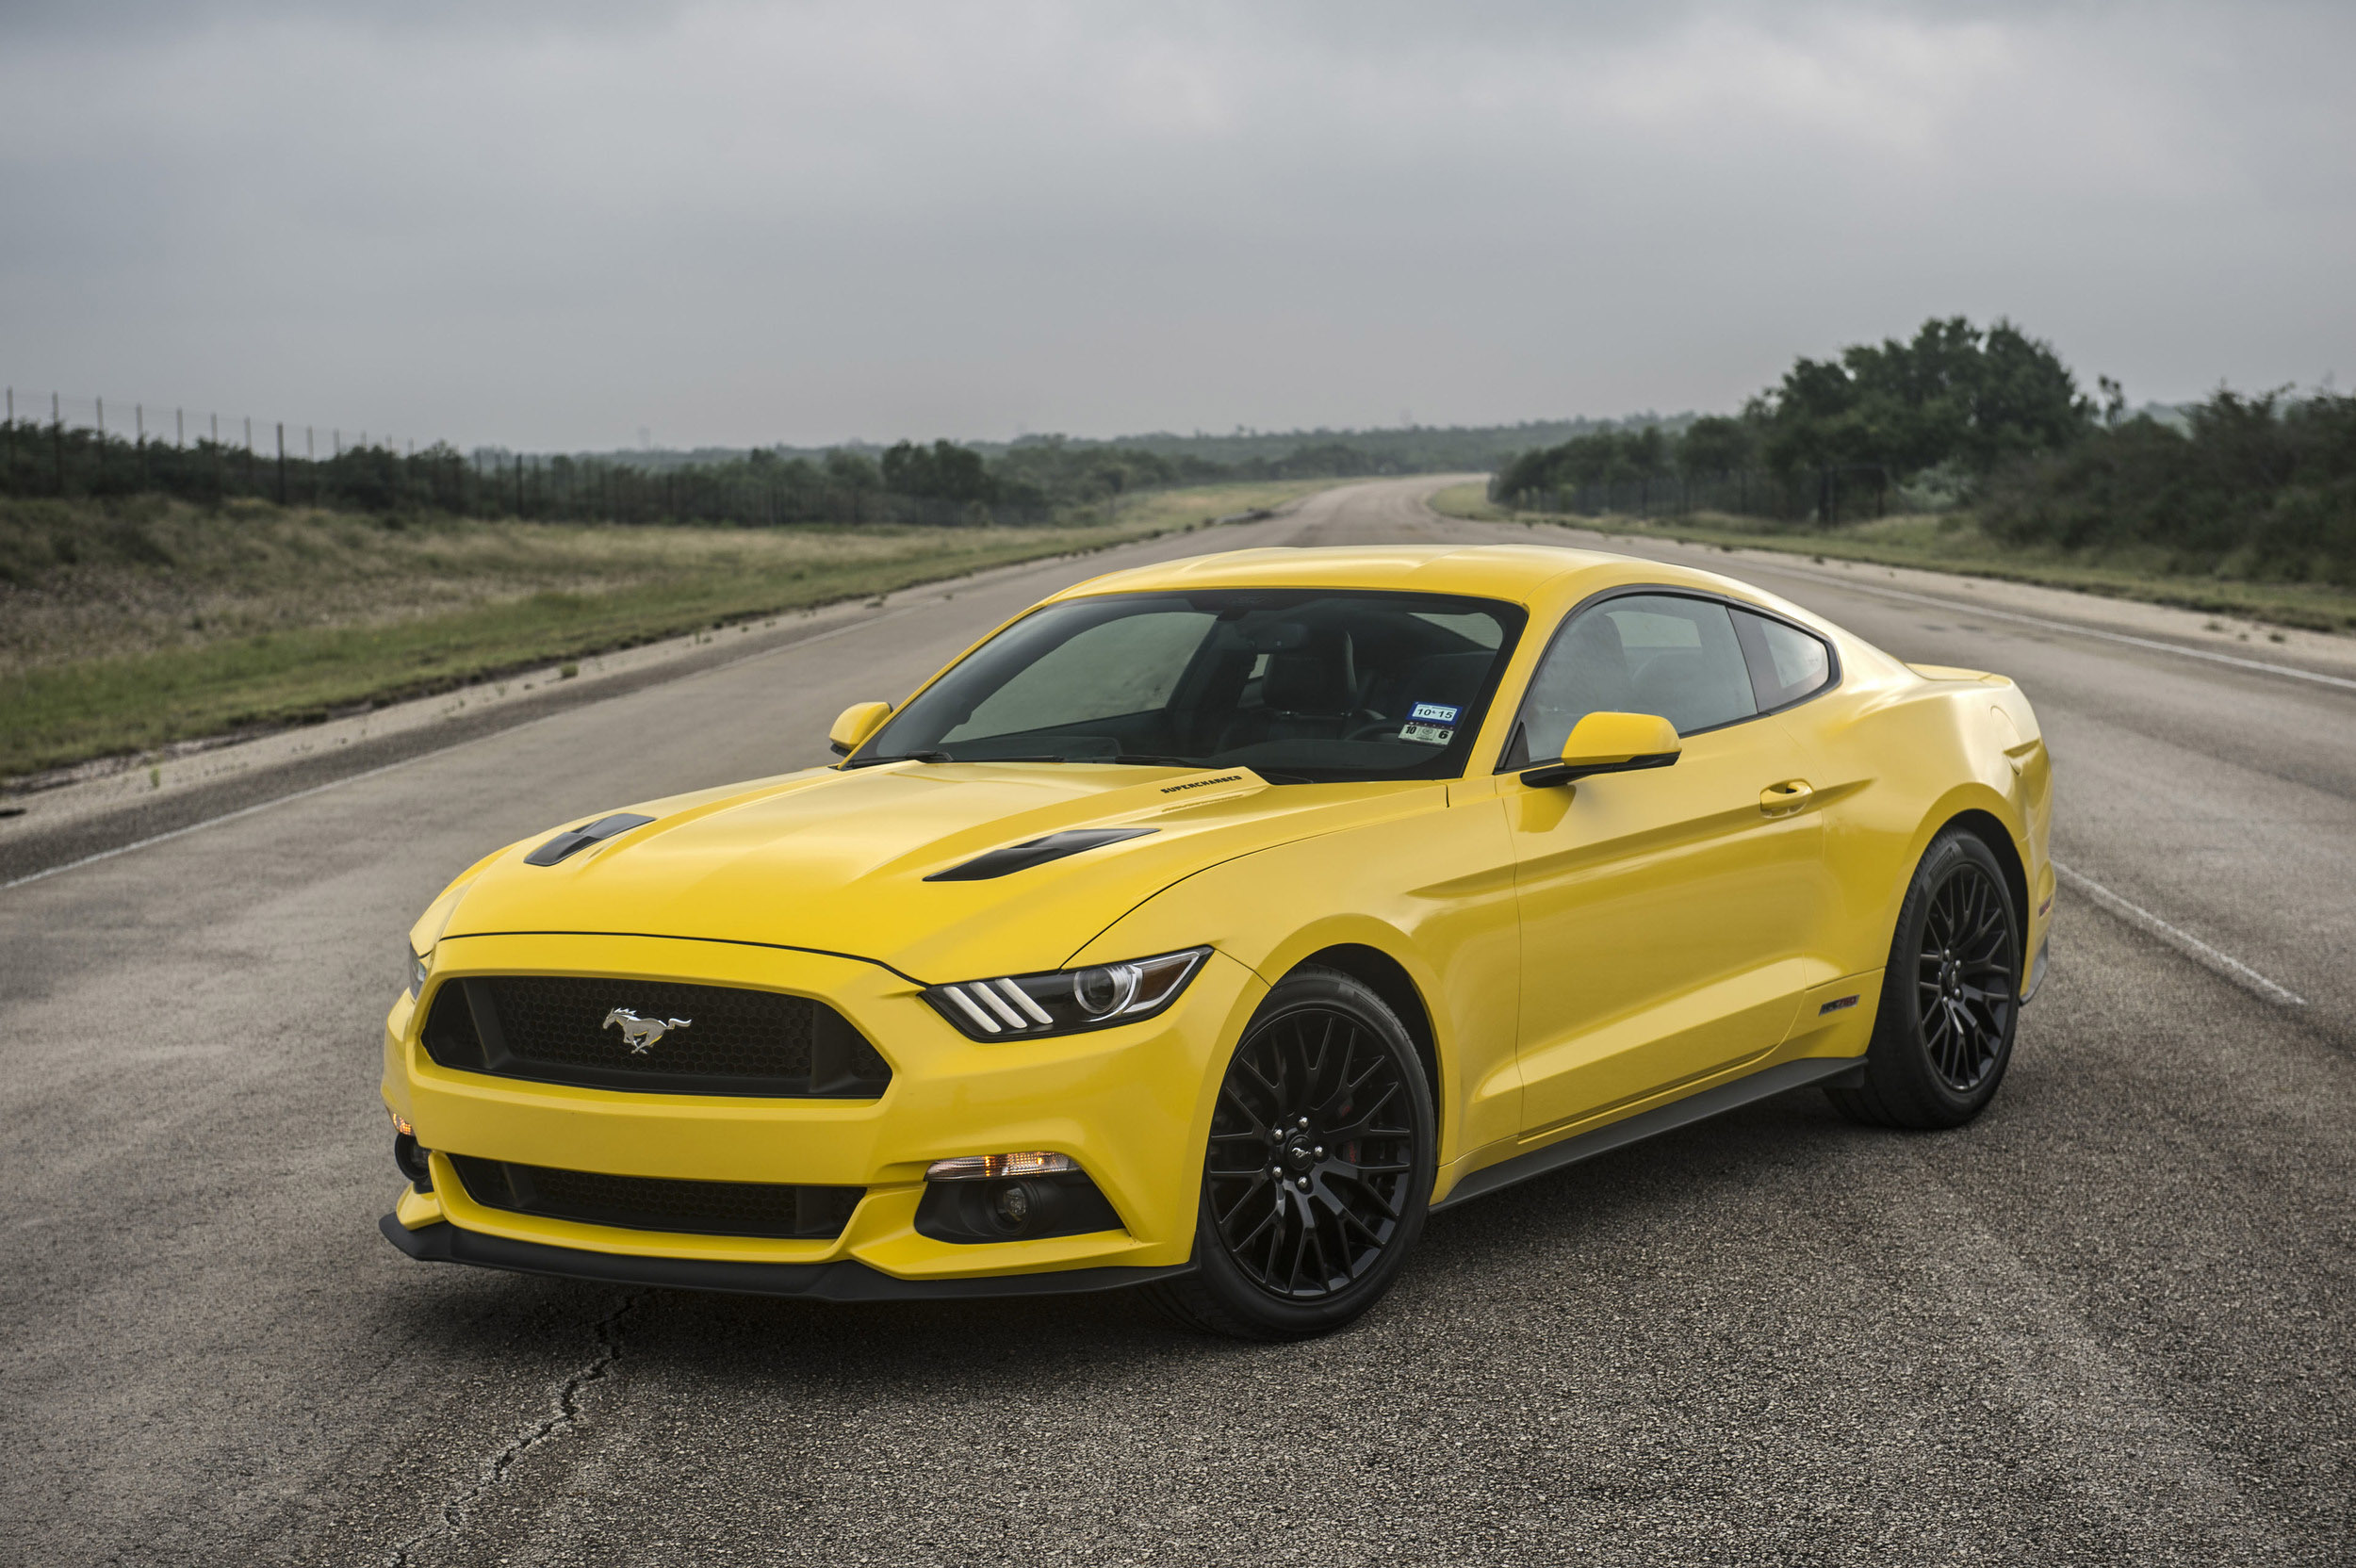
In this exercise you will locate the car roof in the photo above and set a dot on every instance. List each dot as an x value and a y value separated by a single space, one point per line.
1522 573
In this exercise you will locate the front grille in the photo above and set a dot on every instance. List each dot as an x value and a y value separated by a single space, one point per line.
657 1203
558 1029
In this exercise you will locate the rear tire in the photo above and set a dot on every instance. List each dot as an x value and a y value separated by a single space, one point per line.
1320 1167
1951 996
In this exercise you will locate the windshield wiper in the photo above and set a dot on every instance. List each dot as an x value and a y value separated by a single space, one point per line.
904 757
944 756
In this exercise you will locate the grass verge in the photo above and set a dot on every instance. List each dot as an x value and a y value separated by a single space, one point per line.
128 628
1951 541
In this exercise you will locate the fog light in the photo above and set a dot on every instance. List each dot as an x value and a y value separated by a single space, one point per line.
991 1167
410 1161
985 1198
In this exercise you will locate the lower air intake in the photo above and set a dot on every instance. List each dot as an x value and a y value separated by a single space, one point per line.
659 1203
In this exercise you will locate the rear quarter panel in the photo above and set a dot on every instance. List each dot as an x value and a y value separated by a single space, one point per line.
1903 753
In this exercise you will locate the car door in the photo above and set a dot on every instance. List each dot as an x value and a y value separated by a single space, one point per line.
1662 911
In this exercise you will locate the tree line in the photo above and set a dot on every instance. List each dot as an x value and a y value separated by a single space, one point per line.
937 483
1991 419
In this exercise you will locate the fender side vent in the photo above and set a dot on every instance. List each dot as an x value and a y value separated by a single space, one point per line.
1036 851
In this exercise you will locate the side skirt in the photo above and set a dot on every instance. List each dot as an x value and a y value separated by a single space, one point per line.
2036 969
1762 1084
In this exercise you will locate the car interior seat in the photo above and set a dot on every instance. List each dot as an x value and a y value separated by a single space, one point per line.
1308 691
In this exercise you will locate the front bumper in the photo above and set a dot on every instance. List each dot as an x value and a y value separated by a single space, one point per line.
845 1280
1132 1105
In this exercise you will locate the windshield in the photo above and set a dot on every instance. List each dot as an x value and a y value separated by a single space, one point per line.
1295 684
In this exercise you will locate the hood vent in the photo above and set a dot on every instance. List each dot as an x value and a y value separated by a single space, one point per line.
1036 851
581 838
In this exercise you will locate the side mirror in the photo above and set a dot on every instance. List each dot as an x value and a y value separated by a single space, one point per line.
1609 742
857 722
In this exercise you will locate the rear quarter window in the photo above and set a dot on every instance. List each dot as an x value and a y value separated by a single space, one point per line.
1787 664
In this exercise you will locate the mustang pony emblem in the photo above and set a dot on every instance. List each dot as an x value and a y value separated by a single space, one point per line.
641 1033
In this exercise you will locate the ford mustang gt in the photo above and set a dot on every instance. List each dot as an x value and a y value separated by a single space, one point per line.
1206 927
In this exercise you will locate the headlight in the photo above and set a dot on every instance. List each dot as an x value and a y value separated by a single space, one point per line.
417 970
1065 1001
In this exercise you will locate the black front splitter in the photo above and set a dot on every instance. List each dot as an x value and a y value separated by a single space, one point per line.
845 1280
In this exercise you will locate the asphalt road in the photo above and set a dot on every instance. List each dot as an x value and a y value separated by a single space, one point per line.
2110 1322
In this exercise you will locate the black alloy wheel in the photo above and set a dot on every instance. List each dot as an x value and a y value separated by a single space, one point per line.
1951 996
1966 977
1319 1167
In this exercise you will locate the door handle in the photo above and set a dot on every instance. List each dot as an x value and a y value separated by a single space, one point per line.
1781 800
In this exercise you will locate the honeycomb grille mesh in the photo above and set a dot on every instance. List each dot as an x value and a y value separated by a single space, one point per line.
729 1034
658 1204
712 1040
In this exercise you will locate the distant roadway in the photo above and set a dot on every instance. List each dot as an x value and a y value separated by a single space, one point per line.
2111 1322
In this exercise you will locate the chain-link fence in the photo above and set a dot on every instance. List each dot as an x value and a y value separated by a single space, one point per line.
58 447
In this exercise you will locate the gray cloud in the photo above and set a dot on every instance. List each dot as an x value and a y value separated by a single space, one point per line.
554 224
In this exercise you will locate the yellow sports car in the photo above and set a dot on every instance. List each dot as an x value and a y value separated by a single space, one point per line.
1208 925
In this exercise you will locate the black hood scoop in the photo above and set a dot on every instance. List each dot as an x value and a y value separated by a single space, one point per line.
1036 851
581 838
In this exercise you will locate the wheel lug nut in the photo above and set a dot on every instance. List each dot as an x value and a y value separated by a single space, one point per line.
1319 1152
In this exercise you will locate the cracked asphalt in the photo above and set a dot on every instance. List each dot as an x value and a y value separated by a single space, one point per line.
2110 1322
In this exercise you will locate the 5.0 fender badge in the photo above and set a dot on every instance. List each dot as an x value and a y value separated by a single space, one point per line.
640 1032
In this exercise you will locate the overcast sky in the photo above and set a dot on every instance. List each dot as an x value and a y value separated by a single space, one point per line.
558 225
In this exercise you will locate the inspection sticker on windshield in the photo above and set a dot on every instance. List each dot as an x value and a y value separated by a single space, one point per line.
1430 734
1436 712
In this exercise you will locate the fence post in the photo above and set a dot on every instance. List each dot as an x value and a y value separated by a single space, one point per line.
101 485
57 436
282 461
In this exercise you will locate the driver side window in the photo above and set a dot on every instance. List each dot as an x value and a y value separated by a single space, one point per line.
1640 653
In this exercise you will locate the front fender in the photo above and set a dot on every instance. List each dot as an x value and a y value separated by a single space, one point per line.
1432 892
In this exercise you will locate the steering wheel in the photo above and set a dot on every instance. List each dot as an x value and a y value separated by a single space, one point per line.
1376 730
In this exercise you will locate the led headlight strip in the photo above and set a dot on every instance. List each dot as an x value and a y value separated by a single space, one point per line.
1064 1002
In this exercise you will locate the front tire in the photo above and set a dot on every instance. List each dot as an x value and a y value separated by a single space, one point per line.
1950 996
1319 1170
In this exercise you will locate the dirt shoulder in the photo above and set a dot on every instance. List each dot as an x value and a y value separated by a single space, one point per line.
130 634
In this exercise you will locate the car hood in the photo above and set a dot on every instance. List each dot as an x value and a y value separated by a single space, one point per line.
838 861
